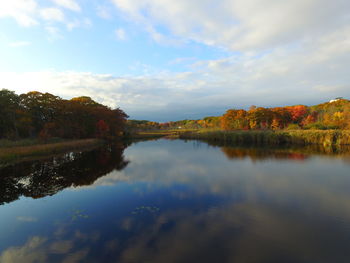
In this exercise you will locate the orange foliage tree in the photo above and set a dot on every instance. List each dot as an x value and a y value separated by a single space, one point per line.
234 119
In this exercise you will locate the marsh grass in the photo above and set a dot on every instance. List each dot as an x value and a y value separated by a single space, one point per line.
28 142
13 153
171 133
147 135
297 137
324 137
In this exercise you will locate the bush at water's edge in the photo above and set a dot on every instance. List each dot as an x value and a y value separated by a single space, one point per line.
300 137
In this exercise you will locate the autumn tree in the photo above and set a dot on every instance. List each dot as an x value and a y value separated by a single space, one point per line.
46 115
297 112
309 119
234 119
260 118
212 122
281 118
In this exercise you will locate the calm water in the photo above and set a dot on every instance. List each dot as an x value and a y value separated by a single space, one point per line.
176 201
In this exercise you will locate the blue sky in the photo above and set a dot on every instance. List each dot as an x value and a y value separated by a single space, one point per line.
166 60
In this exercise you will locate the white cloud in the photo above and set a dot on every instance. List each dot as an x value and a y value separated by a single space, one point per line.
239 24
20 44
181 60
53 33
52 14
76 23
69 4
29 13
314 73
104 12
291 52
20 10
120 34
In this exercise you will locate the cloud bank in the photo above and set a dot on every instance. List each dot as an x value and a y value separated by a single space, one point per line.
313 73
277 53
50 14
239 24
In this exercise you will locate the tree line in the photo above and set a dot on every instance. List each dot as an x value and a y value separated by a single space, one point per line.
44 115
330 115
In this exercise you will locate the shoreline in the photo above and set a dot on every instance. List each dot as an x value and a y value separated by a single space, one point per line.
18 151
270 137
14 153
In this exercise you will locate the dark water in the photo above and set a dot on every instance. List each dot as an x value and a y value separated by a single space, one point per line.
176 201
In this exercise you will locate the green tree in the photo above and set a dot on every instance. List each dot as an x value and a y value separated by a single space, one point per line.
9 105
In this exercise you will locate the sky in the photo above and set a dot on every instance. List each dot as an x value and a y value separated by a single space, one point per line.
164 60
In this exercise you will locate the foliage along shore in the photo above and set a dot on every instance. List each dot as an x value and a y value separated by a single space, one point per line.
332 115
36 124
326 124
269 137
43 115
154 134
14 153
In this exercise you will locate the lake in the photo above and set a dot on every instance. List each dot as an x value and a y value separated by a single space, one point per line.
177 201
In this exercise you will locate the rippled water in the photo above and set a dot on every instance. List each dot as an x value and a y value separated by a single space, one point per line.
176 201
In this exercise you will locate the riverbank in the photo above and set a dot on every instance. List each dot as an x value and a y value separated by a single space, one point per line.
156 134
13 151
293 137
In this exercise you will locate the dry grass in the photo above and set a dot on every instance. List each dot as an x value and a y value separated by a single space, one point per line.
324 137
9 154
174 133
28 142
297 137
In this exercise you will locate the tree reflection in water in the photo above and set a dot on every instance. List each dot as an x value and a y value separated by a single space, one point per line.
180 202
297 153
47 177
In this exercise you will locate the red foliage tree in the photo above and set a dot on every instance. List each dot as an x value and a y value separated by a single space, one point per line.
297 112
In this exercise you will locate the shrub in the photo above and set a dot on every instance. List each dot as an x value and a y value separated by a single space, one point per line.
293 126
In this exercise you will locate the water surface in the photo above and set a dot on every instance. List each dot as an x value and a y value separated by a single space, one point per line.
177 201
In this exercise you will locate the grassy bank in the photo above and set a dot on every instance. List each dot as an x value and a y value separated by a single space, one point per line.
297 137
12 152
146 135
154 134
28 142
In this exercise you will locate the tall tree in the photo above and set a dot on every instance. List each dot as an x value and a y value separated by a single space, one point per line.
234 119
9 103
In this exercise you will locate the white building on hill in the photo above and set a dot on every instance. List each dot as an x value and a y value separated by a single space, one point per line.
336 99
